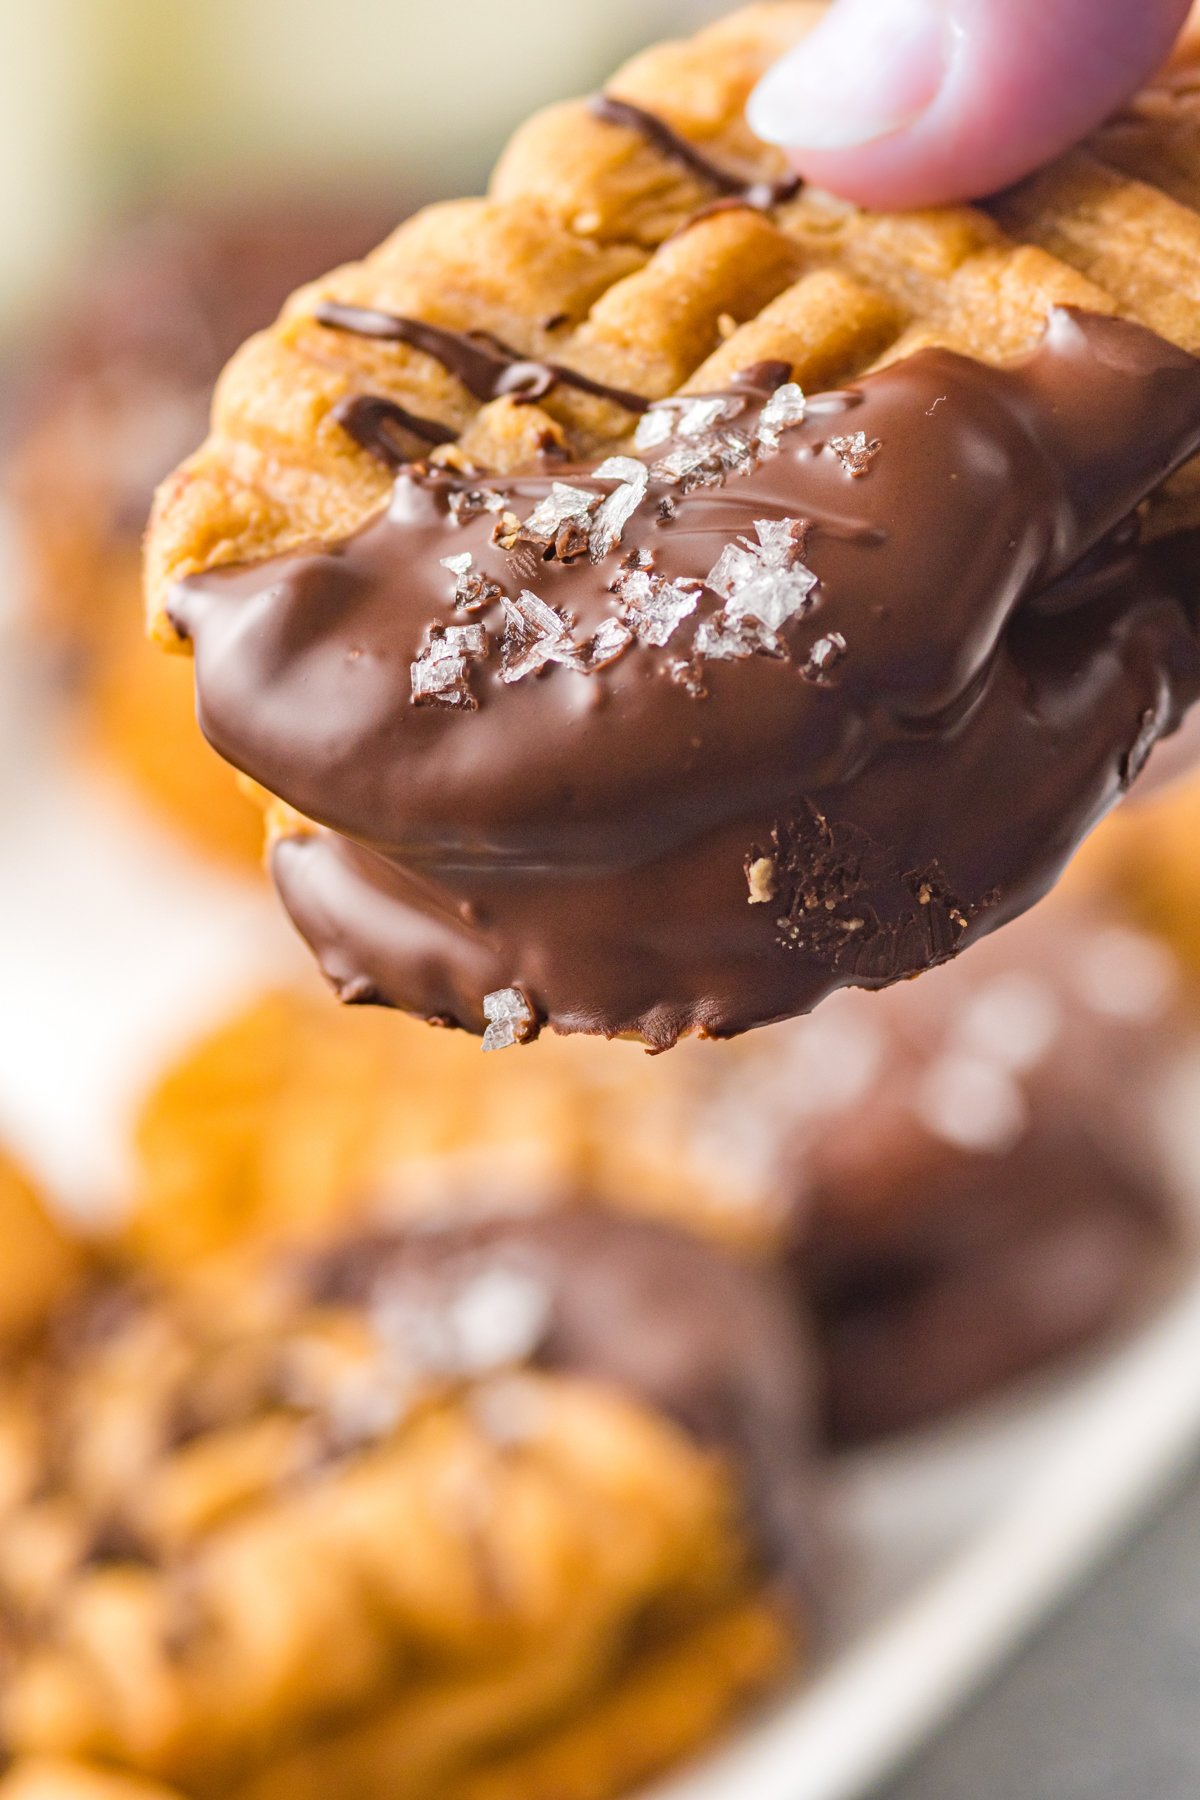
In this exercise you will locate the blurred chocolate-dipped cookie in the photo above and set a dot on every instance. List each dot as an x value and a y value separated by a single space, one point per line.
966 1177
118 390
468 1512
998 1189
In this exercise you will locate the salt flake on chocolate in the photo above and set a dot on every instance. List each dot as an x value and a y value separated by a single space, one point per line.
510 1019
622 468
856 452
610 642
535 635
735 568
765 581
616 510
654 428
738 455
716 641
732 639
692 466
653 607
441 674
563 505
473 589
701 416
498 1320
824 657
786 407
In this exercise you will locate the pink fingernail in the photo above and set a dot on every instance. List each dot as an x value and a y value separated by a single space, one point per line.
870 68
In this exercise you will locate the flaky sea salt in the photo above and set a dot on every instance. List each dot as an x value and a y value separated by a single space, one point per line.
786 407
472 588
824 657
653 607
856 452
563 505
510 1019
610 642
685 672
535 635
737 454
617 508
719 641
622 468
766 580
498 1320
441 674
735 568
699 417
654 428
692 466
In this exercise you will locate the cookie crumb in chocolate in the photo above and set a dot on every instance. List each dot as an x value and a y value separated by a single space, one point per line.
761 878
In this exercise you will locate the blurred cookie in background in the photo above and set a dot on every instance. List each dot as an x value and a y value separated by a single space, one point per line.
119 389
1001 1190
965 1178
467 1512
968 1176
1145 859
296 1117
296 1114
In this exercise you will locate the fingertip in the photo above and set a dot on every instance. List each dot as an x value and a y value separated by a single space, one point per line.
903 103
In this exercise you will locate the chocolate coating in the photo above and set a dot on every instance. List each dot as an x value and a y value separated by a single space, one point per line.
692 1332
982 667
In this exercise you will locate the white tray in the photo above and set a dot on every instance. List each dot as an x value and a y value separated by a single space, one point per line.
115 946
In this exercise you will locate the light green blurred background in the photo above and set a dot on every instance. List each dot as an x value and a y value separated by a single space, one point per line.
109 104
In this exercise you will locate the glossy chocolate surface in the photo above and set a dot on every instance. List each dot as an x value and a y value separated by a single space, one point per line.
961 657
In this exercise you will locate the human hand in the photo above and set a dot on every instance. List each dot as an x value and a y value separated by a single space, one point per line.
901 103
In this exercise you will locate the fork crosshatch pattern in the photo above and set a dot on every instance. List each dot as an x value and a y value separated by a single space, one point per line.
648 246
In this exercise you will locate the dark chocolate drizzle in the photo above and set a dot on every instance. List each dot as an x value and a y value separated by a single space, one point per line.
761 195
486 367
380 425
1006 644
695 1334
